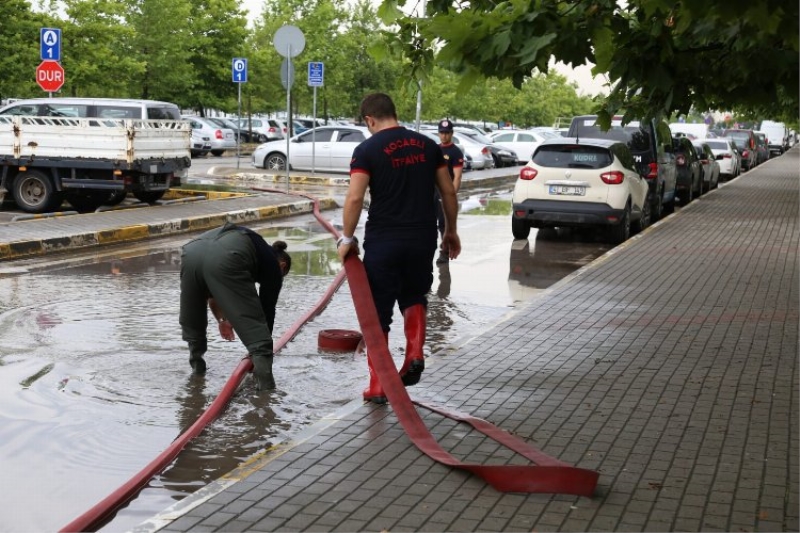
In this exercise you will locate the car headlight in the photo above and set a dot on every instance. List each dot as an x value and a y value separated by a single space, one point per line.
506 152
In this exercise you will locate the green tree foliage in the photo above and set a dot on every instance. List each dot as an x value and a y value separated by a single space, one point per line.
97 49
662 57
539 101
335 34
162 41
19 48
218 34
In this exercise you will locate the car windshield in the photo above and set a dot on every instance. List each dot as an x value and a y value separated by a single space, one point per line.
718 145
478 137
572 156
633 134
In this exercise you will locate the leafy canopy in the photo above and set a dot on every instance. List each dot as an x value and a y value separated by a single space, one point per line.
662 57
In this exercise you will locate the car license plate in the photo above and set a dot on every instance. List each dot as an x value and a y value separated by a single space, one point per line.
568 190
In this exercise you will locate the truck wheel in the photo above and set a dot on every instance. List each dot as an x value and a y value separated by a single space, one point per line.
116 197
149 197
87 201
520 228
34 192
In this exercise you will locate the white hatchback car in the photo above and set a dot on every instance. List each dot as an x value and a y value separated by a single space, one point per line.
581 183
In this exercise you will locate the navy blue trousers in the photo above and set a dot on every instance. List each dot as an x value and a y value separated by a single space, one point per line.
400 270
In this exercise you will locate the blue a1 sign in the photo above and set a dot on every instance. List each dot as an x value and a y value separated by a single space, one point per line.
50 44
239 70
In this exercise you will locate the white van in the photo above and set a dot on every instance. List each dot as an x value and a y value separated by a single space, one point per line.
777 136
698 131
93 108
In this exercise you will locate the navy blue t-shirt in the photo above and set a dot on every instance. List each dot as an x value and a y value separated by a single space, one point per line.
401 165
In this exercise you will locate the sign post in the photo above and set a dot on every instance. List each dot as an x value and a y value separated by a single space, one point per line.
316 76
239 76
289 41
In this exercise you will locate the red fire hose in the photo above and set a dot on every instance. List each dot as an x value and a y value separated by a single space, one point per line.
546 475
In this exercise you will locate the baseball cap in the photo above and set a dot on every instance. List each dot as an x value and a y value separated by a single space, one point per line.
445 126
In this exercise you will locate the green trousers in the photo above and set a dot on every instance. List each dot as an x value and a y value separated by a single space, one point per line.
221 263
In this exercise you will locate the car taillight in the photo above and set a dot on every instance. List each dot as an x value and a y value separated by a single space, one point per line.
485 151
218 134
652 170
745 154
680 160
726 156
527 173
615 177
272 129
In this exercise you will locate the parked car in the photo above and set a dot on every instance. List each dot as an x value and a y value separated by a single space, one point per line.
689 169
651 144
762 147
329 148
269 127
93 107
578 183
201 144
221 138
480 154
523 142
745 141
710 165
243 135
727 156
503 157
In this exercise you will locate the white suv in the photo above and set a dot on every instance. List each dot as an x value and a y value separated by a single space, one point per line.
581 183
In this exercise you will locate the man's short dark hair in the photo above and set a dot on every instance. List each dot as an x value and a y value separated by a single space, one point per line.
378 106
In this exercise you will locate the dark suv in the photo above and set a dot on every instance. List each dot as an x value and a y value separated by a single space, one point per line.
651 145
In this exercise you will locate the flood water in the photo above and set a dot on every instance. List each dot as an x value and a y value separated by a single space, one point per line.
95 380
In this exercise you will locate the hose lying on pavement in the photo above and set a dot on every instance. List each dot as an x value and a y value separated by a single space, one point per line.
548 474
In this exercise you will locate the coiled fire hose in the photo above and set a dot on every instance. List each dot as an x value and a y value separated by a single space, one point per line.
547 475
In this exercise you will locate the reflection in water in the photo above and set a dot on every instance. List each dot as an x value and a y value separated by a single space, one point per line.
440 311
535 266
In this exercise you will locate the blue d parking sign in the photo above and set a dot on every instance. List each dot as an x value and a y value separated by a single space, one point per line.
239 70
316 73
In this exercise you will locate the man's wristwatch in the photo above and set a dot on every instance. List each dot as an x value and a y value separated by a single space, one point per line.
346 240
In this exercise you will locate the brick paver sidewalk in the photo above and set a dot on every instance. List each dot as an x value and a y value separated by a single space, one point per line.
669 366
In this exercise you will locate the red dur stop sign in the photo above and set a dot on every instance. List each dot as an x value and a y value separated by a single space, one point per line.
50 76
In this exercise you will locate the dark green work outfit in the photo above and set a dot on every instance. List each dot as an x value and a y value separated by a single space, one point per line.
225 264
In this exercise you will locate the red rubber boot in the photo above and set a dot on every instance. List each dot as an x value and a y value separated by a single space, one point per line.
415 322
374 393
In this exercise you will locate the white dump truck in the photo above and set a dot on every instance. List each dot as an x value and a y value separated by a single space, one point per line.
90 162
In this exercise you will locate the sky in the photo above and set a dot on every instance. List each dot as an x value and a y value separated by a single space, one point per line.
587 84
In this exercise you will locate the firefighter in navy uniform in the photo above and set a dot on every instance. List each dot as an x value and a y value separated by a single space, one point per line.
455 165
220 268
401 168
